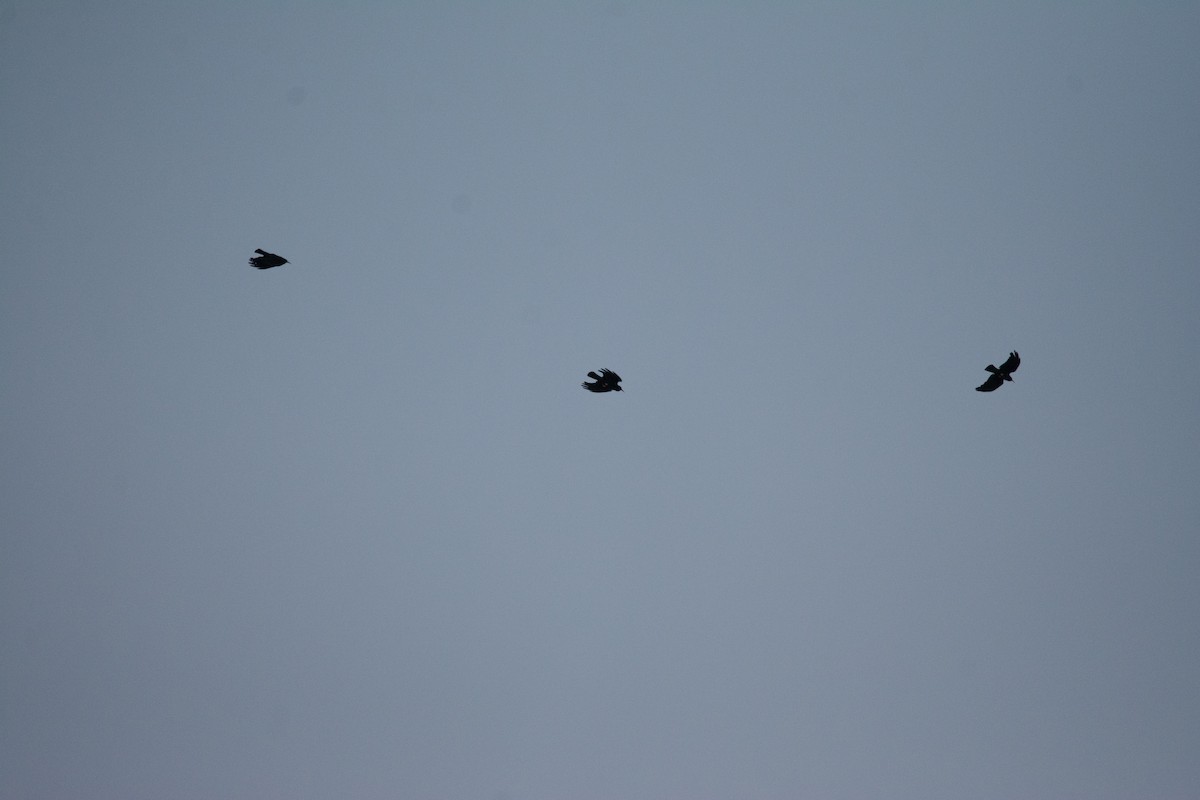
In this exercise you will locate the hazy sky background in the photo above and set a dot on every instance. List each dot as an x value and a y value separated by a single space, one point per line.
350 528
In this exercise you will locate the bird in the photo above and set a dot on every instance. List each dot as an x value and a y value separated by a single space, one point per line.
606 381
265 260
1001 374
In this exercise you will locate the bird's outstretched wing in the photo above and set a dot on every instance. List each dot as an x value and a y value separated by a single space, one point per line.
610 376
991 384
1011 365
265 260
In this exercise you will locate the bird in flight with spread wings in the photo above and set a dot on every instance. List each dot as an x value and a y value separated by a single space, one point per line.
265 260
606 381
1000 374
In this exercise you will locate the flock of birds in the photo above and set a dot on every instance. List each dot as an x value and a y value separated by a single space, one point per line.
609 381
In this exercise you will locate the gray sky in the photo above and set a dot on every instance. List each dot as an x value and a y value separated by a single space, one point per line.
350 528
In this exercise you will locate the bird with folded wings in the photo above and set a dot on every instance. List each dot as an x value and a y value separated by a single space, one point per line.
1000 374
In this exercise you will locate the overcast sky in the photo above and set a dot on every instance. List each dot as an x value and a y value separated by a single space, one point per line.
351 528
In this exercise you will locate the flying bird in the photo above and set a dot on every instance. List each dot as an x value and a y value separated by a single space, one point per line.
1001 374
606 381
265 260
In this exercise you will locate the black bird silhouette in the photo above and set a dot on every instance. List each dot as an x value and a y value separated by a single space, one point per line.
1001 374
606 381
265 260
